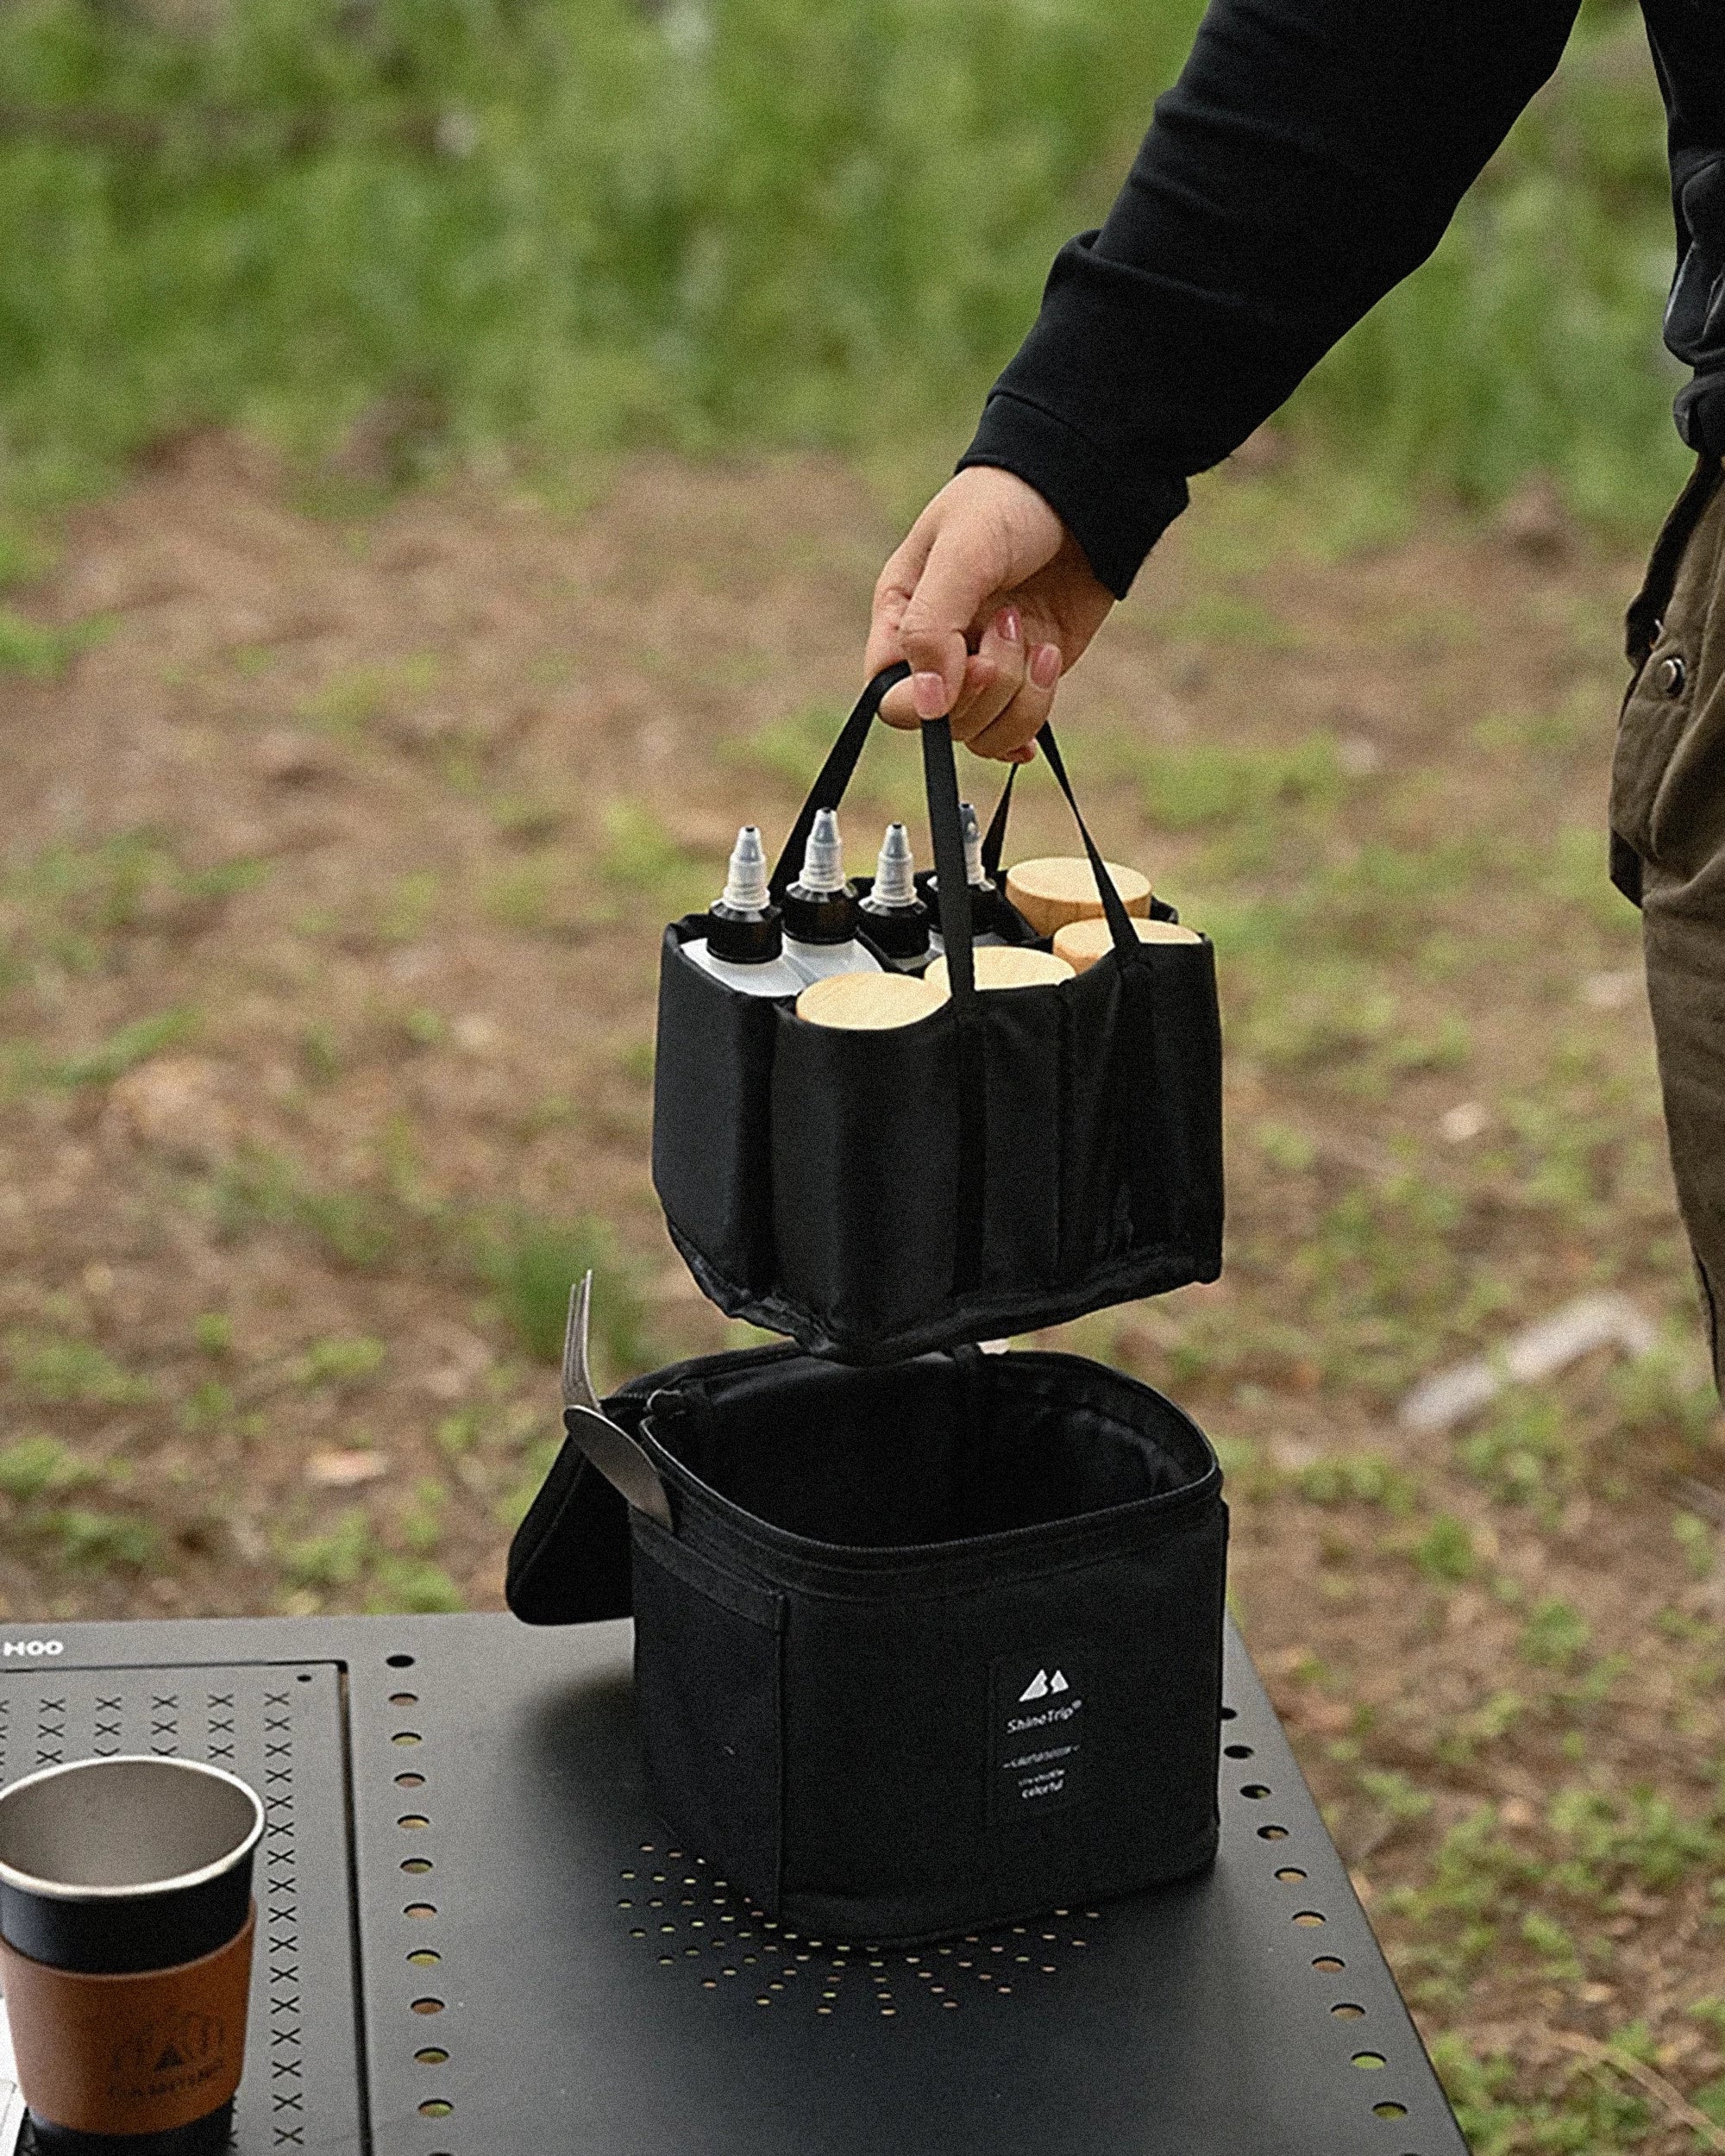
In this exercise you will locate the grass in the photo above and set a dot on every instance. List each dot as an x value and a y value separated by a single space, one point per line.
347 1559
124 1048
78 909
530 1265
37 1474
547 228
40 653
525 1262
50 1368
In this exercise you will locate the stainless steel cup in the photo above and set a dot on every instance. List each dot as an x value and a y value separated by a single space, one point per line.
126 1927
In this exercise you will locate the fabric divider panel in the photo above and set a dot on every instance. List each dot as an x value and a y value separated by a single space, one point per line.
1176 1047
1096 1106
1023 1034
865 1182
712 1120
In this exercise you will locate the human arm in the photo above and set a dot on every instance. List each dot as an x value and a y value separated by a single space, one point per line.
1310 157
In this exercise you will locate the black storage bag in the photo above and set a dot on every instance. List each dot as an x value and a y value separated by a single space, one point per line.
1015 1159
926 1648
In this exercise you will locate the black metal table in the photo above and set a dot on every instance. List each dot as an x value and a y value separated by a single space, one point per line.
477 1940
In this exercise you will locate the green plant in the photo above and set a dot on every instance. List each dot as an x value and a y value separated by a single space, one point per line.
1523 1451
213 1330
422 1521
96 1542
412 1583
1395 1797
1358 1478
530 1265
1558 1959
1211 783
637 853
1639 1834
52 1367
320 1054
208 1406
125 1047
341 1359
36 1467
358 1226
457 1435
40 653
1699 1541
1445 1552
598 224
338 1558
1555 1635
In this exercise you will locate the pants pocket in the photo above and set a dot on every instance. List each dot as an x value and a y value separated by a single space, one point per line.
1671 648
1655 714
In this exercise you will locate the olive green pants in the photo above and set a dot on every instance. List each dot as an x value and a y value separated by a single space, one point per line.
1668 852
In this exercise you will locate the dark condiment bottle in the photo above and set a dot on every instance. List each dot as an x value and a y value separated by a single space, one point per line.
894 917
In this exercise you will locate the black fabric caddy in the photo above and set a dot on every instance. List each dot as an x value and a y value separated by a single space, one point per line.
1010 1160
923 1648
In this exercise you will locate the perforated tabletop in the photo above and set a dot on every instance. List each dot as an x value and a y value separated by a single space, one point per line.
477 1940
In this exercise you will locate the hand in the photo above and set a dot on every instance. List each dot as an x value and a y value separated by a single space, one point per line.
991 600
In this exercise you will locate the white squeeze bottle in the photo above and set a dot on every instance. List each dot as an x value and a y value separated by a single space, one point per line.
821 910
743 945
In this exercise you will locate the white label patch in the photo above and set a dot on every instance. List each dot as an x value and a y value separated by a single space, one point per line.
1036 1717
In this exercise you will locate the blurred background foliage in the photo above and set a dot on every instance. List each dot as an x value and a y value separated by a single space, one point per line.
530 228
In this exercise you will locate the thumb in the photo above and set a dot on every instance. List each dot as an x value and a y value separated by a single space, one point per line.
957 580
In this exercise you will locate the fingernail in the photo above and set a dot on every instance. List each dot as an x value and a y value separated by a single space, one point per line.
928 693
1044 666
1007 625
1026 755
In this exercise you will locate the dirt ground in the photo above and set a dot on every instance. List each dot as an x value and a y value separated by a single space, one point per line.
336 854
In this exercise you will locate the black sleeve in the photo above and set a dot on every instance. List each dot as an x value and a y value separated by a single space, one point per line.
1310 157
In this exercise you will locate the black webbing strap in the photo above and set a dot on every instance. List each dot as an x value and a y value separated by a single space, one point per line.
940 784
1113 906
835 774
994 844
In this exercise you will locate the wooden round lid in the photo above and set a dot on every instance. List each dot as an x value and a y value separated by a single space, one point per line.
868 1002
1081 943
1062 887
1006 966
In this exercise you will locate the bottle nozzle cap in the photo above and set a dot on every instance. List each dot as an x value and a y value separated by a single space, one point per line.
745 886
971 831
824 858
895 869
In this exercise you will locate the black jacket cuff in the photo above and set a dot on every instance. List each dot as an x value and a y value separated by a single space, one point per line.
1115 517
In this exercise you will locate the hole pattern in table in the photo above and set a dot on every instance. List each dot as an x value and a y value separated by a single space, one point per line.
677 1907
1287 1876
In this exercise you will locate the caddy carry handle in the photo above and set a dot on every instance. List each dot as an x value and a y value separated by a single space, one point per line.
940 785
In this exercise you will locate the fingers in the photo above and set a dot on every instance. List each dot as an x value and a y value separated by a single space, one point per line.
962 571
993 677
1012 732
994 674
893 591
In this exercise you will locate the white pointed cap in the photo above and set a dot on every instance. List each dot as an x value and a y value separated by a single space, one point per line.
745 887
824 859
895 869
